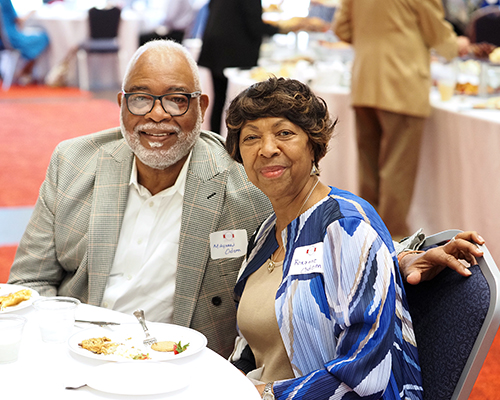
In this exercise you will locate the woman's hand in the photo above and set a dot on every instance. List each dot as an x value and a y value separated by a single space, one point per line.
425 266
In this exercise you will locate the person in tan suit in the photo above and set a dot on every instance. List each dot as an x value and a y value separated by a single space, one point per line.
390 92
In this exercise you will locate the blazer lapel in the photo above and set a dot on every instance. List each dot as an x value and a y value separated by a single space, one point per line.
112 177
203 201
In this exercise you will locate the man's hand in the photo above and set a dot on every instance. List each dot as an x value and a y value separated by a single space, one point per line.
425 266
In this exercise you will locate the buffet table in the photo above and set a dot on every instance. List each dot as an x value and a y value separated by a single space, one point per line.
457 181
46 369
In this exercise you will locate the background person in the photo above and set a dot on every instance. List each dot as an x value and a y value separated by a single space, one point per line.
31 44
390 93
232 38
180 16
321 307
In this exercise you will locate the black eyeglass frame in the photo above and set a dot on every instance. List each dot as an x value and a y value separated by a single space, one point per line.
189 96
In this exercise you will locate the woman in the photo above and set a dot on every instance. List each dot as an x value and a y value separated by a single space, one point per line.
30 45
321 302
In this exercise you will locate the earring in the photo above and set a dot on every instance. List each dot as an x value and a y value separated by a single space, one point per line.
314 170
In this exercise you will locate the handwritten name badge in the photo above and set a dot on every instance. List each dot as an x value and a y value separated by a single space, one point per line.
228 244
307 260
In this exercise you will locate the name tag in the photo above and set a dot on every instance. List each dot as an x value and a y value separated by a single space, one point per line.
228 244
307 260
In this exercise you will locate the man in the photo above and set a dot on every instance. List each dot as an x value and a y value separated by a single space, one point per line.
124 216
137 217
390 93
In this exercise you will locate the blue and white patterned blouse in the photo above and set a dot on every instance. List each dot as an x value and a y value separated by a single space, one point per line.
341 307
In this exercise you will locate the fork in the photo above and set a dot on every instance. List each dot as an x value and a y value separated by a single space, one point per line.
139 314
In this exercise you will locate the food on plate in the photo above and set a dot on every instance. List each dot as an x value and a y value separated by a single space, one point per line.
105 346
494 56
13 299
164 346
467 88
168 345
334 45
102 345
131 352
179 348
491 103
272 8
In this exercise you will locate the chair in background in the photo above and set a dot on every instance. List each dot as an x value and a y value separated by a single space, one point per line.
484 25
103 24
9 57
455 320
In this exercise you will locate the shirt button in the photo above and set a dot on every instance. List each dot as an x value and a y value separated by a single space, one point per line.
105 304
129 277
139 241
151 203
216 301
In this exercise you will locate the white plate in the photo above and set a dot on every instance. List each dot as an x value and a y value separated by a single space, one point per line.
132 334
137 379
6 289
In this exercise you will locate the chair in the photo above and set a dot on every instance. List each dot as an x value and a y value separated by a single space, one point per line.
103 25
455 320
9 57
484 25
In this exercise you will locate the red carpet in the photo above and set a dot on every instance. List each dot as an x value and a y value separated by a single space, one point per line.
35 119
7 254
31 128
40 91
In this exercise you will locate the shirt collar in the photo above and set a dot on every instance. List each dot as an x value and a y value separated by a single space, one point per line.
179 185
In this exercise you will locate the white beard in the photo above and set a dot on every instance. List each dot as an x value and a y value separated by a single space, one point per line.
156 157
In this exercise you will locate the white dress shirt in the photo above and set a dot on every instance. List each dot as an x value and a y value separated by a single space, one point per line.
145 265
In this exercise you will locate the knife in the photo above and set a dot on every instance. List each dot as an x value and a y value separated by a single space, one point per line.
97 322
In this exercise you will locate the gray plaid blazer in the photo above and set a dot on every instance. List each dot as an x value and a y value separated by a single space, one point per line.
69 245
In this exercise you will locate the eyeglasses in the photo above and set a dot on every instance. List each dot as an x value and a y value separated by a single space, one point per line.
175 104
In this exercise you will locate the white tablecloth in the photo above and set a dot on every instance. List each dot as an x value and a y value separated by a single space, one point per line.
68 28
457 182
44 370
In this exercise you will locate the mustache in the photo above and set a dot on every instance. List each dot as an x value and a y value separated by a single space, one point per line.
157 126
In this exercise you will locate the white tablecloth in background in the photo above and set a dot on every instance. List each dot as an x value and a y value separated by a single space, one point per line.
68 28
44 369
458 179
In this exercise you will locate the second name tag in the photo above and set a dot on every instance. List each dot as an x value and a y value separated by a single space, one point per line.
307 260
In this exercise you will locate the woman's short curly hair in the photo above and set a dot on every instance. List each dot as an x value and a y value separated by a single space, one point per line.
281 97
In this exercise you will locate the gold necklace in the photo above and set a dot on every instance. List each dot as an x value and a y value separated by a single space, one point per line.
272 264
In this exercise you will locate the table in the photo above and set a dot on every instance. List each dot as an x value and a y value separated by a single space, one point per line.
457 184
68 27
43 370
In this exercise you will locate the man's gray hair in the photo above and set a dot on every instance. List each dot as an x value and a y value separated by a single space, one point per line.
167 47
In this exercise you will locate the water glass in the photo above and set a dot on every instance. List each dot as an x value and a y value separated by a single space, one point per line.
56 317
11 331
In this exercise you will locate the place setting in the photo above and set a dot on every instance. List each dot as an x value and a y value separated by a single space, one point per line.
135 351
